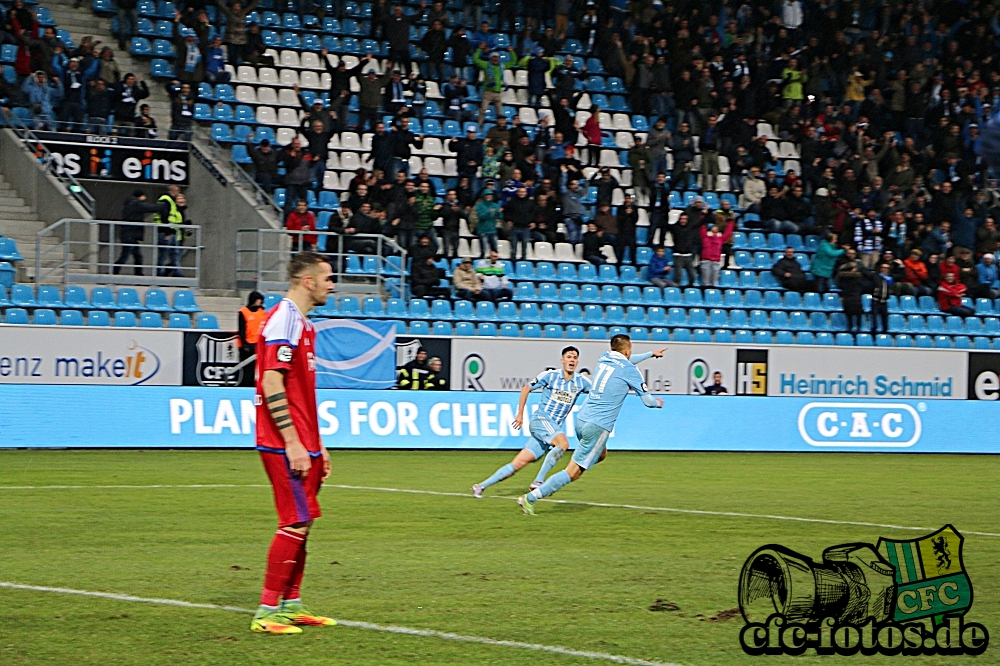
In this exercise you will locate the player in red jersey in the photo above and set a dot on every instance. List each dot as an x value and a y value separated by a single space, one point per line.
288 439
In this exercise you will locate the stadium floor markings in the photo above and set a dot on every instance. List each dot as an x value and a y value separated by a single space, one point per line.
355 624
601 505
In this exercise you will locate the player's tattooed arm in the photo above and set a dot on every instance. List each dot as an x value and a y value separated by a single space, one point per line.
277 404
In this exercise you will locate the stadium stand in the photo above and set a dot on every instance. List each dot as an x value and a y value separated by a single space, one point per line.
869 156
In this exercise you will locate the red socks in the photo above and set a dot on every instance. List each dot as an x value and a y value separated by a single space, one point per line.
282 561
295 582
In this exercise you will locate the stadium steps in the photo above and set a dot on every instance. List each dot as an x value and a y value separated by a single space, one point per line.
19 221
82 22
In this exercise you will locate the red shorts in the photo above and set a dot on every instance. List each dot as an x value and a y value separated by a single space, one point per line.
294 498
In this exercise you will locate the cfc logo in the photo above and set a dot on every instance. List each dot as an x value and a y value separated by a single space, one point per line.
751 372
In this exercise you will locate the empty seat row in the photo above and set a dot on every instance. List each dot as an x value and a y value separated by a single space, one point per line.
49 317
100 298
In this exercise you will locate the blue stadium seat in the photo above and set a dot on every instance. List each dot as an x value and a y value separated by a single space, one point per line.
864 340
465 328
682 335
597 333
49 297
701 335
845 340
783 337
531 331
71 318
981 342
372 306
805 338
509 330
420 328
486 310
486 329
442 328
184 301
23 295
128 299
884 340
45 317
530 312
660 334
150 320
178 320
553 331
738 319
962 342
441 309
98 318
576 332
126 319
16 316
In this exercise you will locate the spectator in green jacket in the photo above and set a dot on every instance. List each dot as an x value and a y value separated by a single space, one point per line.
488 215
427 212
492 81
793 78
824 260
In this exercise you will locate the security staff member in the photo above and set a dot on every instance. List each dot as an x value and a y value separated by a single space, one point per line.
168 237
413 374
251 318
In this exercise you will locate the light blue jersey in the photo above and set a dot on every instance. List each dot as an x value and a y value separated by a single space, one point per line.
558 393
613 378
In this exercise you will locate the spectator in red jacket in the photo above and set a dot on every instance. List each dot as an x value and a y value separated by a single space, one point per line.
950 293
592 132
950 265
301 219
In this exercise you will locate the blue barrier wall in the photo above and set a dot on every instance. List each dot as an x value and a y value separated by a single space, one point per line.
155 417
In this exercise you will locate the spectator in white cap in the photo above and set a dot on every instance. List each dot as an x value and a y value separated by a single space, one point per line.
988 276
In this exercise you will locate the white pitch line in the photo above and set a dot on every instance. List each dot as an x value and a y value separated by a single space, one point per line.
369 626
602 505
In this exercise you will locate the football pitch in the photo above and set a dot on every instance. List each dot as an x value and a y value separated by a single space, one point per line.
638 563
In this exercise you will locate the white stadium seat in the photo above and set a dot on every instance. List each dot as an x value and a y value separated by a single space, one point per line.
564 252
350 141
604 120
609 158
544 251
773 147
617 197
432 146
624 140
793 165
289 77
284 135
434 166
508 77
366 141
345 179
331 181
764 129
584 103
290 58
333 160
350 161
325 80
521 96
609 254
433 92
723 164
622 121
266 115
521 78
273 53
268 76
246 95
508 97
267 96
528 116
246 74
309 79
287 97
288 117
787 149
722 183
333 143
503 249
451 167
311 60
416 164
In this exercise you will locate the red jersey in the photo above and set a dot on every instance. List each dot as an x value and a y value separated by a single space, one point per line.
288 342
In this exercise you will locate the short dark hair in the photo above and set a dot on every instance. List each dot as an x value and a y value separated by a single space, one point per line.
620 342
301 262
569 349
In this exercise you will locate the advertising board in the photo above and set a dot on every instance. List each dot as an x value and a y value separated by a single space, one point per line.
93 157
85 355
196 417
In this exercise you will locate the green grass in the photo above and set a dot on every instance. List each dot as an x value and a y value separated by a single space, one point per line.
575 576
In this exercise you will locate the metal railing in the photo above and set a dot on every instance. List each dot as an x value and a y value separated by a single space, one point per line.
262 256
88 251
30 140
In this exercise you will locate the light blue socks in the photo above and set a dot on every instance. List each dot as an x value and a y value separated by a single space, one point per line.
499 475
555 482
555 453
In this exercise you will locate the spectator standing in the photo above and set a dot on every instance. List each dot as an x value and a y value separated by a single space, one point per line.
236 28
593 241
215 63
627 217
301 220
130 236
685 237
712 241
682 146
659 269
99 105
849 279
265 163
190 40
435 44
145 124
659 209
43 95
402 139
452 214
882 289
538 67
427 212
74 102
397 33
488 216
495 283
493 85
370 94
591 131
520 212
823 262
182 101
128 92
572 206
458 42
469 154
318 136
468 284
298 173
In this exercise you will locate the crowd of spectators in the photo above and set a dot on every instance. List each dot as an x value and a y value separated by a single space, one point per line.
883 101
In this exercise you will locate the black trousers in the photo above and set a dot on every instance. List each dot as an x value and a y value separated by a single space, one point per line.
880 312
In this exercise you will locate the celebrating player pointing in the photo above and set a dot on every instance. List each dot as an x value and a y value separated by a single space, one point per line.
615 375
288 440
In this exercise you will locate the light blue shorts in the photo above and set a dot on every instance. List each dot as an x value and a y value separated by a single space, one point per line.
543 431
593 440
